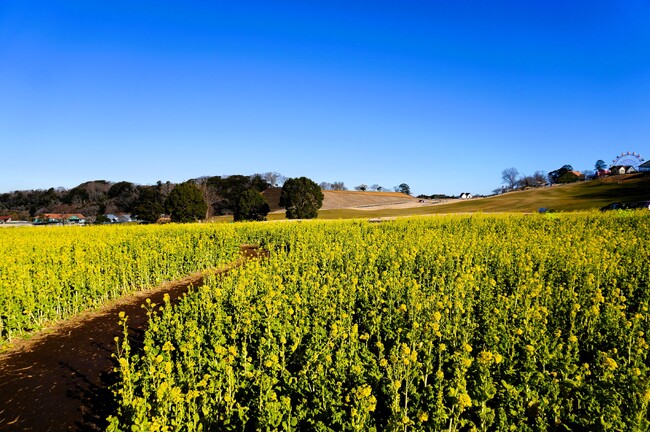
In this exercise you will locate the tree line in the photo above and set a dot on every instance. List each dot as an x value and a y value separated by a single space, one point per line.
192 200
340 186
512 180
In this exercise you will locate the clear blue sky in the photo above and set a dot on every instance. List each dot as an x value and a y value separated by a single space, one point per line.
442 95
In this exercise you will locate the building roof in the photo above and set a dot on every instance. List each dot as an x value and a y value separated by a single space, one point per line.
64 216
120 217
645 164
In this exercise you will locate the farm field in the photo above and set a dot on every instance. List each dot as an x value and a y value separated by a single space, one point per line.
488 322
50 274
497 322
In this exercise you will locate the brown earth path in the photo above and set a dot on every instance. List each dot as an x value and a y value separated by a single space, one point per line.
59 379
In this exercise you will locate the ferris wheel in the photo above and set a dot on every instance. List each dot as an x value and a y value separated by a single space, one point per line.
628 159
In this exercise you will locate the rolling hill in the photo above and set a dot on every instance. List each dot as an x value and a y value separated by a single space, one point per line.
592 194
349 199
570 197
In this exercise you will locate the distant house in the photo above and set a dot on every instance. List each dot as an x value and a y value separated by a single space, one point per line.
622 169
124 218
164 219
645 166
119 218
5 219
465 195
60 218
571 176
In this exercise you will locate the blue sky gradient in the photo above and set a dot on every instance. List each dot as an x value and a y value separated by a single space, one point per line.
440 95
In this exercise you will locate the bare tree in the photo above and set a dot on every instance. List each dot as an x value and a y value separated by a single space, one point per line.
274 178
509 176
325 186
339 186
210 195
362 187
376 187
526 182
589 174
540 178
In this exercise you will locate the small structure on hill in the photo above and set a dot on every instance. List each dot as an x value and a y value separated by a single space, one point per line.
622 169
465 195
5 219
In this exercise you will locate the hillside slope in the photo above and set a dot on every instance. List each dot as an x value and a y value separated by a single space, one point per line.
575 196
351 200
366 199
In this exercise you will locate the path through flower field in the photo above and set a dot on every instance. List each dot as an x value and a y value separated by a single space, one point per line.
59 379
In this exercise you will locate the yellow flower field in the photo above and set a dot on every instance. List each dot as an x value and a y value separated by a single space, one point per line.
506 322
52 273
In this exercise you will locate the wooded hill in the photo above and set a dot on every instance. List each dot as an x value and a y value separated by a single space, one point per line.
101 197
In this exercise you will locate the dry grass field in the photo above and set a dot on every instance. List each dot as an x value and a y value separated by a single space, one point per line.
351 200
367 200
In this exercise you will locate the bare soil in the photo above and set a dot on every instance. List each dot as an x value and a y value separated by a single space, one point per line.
59 380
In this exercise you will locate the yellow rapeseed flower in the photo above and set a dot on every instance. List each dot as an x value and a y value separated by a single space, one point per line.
485 357
464 401
609 363
168 346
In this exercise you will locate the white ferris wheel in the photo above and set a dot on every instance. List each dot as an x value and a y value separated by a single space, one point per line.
631 159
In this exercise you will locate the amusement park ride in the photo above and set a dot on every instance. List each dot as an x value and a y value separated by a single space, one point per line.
628 159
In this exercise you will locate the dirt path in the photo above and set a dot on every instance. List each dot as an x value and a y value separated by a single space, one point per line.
59 379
